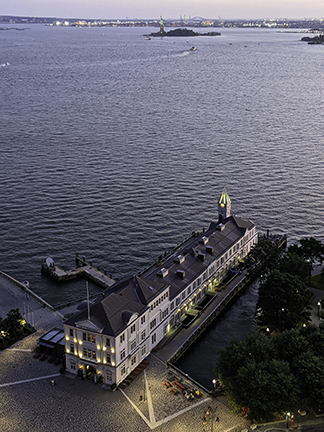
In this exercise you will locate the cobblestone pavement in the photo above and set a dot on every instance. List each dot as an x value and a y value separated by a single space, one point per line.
29 405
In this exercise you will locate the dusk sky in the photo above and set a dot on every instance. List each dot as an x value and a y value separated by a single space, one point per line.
102 9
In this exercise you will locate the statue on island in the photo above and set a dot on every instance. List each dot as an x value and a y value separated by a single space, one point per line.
179 32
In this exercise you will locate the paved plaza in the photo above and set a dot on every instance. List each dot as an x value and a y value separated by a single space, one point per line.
30 403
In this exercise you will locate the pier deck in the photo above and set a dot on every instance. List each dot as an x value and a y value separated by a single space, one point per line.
87 271
176 347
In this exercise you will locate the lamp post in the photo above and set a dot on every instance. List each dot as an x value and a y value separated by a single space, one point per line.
214 384
287 418
319 308
2 334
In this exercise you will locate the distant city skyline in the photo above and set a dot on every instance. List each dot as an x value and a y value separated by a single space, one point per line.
150 9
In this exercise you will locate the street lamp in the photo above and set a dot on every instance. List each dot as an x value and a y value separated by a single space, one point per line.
319 308
287 418
214 384
2 334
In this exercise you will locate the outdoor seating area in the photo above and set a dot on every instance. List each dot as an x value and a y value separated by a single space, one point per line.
176 387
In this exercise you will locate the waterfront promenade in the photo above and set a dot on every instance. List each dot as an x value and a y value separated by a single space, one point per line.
31 403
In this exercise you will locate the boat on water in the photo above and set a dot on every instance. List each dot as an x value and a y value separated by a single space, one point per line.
193 49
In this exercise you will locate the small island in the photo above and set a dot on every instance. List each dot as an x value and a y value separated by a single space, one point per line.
179 32
316 40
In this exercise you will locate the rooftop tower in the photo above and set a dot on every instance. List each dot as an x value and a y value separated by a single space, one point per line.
224 206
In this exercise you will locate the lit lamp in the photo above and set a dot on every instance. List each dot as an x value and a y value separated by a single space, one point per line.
319 308
287 418
214 384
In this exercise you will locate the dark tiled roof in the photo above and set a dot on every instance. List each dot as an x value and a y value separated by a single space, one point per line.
219 241
121 301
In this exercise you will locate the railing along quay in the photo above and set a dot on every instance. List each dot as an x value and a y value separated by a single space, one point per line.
218 309
28 291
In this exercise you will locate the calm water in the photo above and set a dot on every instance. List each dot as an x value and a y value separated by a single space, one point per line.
117 147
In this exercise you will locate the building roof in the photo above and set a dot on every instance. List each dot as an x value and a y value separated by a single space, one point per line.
197 253
121 302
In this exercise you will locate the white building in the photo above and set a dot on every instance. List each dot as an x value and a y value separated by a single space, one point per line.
116 332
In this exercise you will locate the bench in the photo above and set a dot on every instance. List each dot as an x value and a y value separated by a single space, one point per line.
173 391
179 386
166 384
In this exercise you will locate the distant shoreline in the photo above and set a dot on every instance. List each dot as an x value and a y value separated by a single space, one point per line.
179 32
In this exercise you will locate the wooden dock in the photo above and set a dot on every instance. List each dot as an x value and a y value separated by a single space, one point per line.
85 270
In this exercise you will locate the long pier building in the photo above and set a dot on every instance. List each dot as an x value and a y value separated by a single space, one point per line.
112 335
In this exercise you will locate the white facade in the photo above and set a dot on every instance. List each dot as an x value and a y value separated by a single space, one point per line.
135 315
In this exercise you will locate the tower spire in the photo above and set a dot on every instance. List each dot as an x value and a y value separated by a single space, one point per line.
224 206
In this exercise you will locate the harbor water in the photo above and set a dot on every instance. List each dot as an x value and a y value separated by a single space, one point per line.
117 147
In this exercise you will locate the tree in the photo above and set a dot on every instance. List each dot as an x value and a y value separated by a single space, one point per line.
283 303
265 255
309 370
295 265
13 328
256 383
309 249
